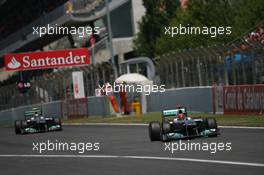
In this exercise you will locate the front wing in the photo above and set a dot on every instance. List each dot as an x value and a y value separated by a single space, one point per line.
37 129
175 135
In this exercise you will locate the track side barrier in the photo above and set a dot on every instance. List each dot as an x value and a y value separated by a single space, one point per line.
240 99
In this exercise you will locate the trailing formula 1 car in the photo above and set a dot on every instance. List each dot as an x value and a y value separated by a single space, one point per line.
35 122
176 124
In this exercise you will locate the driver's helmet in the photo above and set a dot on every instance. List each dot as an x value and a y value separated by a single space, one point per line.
36 114
181 115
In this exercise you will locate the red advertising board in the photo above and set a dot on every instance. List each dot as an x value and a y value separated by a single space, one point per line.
244 99
44 60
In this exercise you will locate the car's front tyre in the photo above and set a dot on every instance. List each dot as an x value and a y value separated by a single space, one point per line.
18 127
211 125
57 121
154 131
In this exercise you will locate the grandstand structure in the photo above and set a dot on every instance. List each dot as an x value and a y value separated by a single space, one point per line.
54 84
70 13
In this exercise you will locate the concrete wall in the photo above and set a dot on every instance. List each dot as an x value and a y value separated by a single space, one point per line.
6 117
52 109
197 99
98 106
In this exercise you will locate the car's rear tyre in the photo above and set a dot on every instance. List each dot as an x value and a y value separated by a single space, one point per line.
18 127
154 131
24 125
166 127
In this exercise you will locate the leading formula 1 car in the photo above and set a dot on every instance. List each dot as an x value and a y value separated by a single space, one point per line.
35 122
176 124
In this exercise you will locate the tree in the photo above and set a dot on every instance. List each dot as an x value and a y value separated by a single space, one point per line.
199 14
158 14
241 15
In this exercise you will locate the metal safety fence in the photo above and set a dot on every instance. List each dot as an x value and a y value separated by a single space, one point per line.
218 65
55 86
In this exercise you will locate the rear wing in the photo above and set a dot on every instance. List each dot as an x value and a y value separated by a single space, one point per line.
173 112
170 112
32 112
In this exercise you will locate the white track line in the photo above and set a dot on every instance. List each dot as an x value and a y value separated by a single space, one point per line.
105 124
139 157
142 124
241 127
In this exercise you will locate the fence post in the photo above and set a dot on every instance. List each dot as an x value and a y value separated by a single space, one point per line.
234 72
172 74
199 71
254 71
177 74
182 73
243 69
226 73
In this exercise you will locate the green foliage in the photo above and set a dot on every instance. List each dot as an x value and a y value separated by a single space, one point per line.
241 15
152 23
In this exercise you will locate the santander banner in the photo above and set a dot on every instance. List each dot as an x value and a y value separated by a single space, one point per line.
44 60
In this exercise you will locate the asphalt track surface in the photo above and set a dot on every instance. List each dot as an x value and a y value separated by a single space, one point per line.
127 150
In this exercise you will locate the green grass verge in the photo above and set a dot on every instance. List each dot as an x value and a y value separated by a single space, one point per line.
234 120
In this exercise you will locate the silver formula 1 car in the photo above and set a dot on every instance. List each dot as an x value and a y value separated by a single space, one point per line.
176 124
35 122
